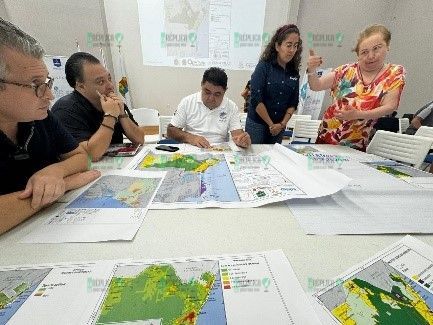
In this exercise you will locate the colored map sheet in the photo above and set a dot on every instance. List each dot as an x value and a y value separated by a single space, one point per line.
63 293
411 175
227 179
394 287
111 208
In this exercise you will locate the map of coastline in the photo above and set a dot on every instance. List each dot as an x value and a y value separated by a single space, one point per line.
115 191
379 294
178 293
192 177
15 287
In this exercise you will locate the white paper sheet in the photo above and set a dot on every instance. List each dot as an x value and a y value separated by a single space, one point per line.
111 208
234 179
393 287
374 202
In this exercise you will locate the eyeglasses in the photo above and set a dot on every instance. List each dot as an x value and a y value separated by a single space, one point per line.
291 46
376 49
39 89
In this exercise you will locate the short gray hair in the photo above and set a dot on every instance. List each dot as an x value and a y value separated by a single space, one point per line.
14 38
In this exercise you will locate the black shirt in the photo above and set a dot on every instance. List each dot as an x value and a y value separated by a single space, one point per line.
47 140
276 88
82 119
388 124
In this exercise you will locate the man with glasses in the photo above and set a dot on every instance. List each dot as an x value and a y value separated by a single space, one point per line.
39 160
93 114
207 116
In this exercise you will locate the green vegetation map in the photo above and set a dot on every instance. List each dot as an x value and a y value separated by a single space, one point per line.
156 293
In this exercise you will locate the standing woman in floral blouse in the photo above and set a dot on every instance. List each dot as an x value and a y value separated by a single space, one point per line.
275 87
361 91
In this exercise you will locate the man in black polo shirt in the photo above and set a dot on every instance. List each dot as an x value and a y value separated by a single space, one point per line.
39 160
92 113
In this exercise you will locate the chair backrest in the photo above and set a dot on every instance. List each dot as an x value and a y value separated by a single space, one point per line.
163 123
391 124
243 117
403 124
404 148
294 118
306 129
425 131
146 116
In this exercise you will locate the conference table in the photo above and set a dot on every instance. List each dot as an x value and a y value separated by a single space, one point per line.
213 231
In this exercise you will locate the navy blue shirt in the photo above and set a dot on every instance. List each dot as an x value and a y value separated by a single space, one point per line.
46 141
82 119
276 88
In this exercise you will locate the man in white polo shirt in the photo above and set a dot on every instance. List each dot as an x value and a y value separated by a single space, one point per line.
207 116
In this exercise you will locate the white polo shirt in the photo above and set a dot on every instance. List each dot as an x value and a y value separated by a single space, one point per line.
194 117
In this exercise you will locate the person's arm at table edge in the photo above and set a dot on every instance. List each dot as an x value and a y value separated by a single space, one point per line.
132 131
22 209
99 142
179 135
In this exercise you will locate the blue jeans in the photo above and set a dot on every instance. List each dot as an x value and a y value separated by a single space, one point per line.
260 133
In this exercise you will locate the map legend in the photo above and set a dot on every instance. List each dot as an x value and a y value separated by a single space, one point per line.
226 278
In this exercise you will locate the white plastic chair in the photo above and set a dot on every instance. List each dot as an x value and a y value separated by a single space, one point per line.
404 148
294 118
163 124
403 124
425 131
147 117
307 129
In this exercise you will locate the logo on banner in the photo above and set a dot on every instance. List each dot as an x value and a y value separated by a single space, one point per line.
180 40
57 63
324 40
247 40
99 40
266 37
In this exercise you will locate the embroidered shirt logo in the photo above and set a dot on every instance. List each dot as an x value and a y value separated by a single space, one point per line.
222 116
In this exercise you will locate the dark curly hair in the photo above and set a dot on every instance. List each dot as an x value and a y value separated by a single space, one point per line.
270 53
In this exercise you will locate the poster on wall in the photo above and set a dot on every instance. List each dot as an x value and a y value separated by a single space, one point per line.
310 102
200 34
56 69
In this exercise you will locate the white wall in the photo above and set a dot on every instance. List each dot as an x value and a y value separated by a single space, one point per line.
56 24
3 12
412 46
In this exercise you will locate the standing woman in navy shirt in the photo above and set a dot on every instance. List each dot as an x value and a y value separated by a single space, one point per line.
275 87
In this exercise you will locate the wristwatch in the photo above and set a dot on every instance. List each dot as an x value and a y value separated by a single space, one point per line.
111 115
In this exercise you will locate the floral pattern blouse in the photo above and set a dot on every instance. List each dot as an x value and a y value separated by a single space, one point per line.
350 91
